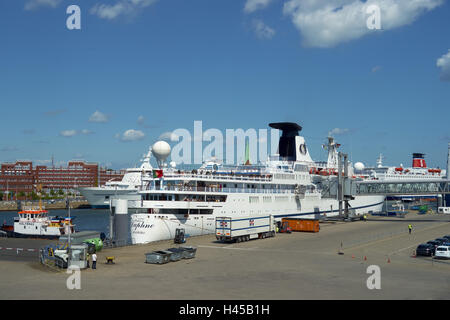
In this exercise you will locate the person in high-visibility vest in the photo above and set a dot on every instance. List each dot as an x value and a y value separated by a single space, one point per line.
409 228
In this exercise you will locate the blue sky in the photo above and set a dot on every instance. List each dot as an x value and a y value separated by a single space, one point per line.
149 67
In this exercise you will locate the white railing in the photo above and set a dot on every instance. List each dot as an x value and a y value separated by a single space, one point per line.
238 177
216 190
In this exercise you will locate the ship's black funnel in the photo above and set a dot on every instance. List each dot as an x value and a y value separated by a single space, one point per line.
286 145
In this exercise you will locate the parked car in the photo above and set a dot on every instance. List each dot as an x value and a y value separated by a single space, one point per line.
443 252
434 243
425 249
441 240
447 237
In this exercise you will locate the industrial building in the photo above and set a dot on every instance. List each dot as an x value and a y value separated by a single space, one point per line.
22 177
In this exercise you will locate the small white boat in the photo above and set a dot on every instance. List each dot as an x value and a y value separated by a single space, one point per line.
36 223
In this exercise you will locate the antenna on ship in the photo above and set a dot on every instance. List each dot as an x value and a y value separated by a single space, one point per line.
380 161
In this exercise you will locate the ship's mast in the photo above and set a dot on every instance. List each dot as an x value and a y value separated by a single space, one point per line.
448 162
332 152
380 161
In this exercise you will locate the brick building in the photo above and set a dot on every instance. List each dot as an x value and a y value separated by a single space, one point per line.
22 177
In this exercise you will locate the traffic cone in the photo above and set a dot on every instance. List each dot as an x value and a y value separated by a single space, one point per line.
389 260
353 256
365 258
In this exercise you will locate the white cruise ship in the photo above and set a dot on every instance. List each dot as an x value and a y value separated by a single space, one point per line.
127 188
285 187
418 171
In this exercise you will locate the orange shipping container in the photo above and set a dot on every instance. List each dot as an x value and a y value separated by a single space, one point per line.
303 225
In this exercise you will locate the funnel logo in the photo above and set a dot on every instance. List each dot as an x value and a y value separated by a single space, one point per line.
252 222
302 149
223 224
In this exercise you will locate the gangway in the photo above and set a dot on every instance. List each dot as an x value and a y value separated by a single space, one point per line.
404 187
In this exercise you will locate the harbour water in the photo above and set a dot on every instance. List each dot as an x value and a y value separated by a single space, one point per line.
84 219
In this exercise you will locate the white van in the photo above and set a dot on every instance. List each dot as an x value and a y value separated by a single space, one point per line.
442 252
444 210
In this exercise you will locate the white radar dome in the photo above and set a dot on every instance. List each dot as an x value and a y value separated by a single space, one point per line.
161 150
359 166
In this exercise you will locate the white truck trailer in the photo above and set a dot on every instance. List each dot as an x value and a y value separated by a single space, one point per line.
244 228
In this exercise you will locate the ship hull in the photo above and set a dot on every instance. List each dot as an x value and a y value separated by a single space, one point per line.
12 234
147 227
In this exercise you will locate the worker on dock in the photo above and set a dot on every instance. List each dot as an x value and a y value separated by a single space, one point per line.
87 260
94 261
409 228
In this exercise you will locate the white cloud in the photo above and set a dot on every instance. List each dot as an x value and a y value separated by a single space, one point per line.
338 131
327 23
86 131
376 68
35 4
254 5
121 7
444 63
262 30
130 135
68 133
97 116
168 136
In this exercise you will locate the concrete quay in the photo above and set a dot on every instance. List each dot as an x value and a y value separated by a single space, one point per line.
331 264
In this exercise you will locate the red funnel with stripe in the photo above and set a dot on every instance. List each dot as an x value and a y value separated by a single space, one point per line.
419 160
